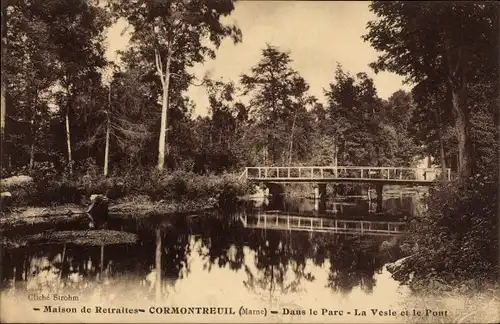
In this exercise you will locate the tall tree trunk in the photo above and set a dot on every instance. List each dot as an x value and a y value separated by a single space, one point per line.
458 85
335 152
443 156
32 131
3 106
461 128
3 103
32 146
165 75
106 150
441 144
68 142
291 140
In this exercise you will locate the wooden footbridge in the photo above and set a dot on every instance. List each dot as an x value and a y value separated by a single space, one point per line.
322 225
361 174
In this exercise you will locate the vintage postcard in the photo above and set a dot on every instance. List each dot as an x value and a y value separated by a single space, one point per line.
223 161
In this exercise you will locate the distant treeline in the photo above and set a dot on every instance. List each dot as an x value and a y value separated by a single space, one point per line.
69 110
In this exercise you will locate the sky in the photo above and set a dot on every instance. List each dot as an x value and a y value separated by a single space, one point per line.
318 34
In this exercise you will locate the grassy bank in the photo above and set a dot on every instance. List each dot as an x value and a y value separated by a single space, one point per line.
454 253
150 189
457 306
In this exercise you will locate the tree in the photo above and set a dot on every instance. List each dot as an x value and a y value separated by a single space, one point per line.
53 56
324 144
396 124
278 103
453 44
354 114
27 65
43 52
222 136
131 120
3 102
81 53
219 136
173 32
122 123
432 122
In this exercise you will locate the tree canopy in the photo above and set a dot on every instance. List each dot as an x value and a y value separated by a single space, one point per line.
55 84
443 48
169 37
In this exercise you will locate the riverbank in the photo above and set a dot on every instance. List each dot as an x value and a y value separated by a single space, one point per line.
34 219
50 203
463 304
461 301
50 190
145 189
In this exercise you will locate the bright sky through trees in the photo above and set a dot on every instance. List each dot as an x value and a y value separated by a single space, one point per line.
318 34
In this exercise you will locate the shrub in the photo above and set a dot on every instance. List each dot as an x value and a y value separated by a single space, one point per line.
24 194
180 186
456 239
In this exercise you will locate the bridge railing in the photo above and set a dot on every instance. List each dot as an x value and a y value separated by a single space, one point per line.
344 172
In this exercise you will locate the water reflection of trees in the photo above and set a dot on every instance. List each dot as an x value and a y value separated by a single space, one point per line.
277 252
222 243
274 261
354 262
176 249
174 232
280 256
60 268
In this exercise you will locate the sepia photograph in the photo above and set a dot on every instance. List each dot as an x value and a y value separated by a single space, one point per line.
253 161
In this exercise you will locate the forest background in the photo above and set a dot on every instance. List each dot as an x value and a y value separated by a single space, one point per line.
79 123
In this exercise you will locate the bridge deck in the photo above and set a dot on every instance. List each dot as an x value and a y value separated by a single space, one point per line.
320 174
323 225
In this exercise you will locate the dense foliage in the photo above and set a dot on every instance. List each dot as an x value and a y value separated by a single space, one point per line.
79 111
441 47
149 185
80 124
450 51
456 240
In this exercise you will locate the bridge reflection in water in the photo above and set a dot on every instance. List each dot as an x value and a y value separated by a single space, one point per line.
322 225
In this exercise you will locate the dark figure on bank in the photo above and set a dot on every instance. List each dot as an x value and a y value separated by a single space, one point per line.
98 212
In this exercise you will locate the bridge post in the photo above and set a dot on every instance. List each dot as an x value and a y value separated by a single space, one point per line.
365 190
275 190
320 196
380 198
322 191
335 190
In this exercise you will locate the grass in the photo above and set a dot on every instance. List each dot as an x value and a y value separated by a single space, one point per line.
83 238
146 187
455 307
143 205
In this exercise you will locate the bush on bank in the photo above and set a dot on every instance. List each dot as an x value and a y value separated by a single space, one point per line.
455 241
178 186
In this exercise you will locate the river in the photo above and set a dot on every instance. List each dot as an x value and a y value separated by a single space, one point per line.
254 258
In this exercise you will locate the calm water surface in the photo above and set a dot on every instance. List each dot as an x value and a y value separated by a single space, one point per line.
212 259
